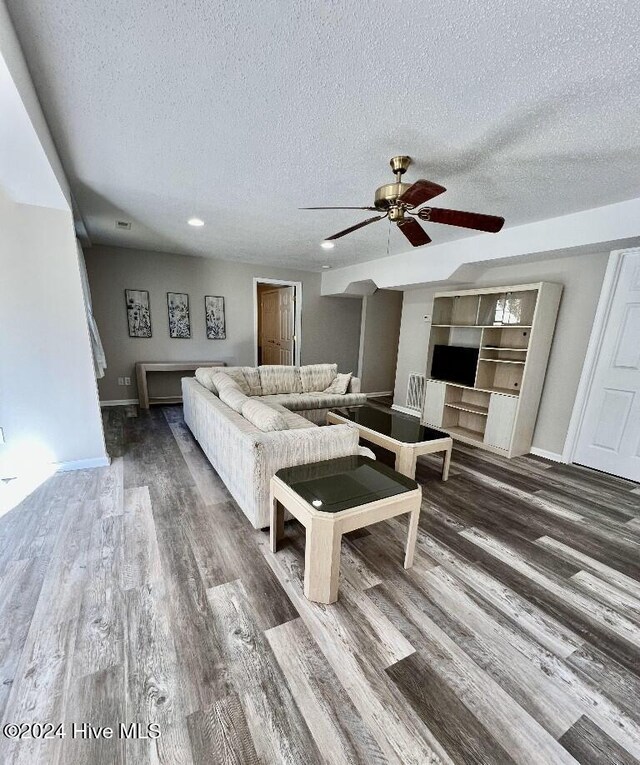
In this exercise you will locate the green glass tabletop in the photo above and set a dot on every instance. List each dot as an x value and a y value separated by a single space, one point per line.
401 427
340 484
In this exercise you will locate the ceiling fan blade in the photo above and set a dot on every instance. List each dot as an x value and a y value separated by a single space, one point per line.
357 226
478 221
414 232
337 208
420 192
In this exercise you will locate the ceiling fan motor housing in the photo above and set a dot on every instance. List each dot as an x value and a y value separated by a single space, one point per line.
387 195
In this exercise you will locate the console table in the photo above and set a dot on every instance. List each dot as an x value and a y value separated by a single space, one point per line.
144 367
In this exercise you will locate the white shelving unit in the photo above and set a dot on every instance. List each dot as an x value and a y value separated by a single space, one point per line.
512 328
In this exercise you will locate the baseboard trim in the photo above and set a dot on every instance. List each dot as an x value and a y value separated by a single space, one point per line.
119 402
95 462
405 410
553 456
379 393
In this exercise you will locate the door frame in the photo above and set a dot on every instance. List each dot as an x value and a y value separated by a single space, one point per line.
603 311
297 318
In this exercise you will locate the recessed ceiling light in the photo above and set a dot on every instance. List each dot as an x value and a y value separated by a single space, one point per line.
327 245
195 222
326 266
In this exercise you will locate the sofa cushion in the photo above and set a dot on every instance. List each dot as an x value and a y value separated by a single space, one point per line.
232 396
252 376
297 402
221 381
340 384
317 377
275 378
238 376
293 420
205 375
264 417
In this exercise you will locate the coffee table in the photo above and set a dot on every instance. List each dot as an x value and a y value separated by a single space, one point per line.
333 497
399 433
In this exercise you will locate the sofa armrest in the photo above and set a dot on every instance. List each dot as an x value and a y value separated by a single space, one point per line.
354 385
284 448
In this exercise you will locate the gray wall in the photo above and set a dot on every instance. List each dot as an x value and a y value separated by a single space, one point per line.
582 277
379 333
330 325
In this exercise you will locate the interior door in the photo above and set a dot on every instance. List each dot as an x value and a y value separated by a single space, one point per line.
609 437
278 325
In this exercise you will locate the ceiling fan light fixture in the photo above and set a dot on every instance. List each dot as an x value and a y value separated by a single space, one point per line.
399 199
195 222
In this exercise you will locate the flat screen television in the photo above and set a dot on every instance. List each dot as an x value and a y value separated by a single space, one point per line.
453 363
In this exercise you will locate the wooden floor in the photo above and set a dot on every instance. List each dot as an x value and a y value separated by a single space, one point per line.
139 593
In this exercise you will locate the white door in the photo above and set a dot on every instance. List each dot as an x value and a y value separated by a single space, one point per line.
609 437
277 321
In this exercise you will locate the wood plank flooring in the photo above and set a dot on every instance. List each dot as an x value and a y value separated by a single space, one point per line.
139 593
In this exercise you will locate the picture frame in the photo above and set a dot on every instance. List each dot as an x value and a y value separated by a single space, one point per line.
138 313
178 313
215 317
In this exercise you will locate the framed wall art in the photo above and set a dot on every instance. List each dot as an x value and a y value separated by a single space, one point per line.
179 320
138 313
214 311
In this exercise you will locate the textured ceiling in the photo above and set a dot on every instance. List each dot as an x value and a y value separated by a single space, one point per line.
240 112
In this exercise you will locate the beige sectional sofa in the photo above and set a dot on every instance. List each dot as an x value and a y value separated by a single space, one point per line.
244 456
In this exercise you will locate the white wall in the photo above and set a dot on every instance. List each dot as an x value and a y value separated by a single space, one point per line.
582 277
48 397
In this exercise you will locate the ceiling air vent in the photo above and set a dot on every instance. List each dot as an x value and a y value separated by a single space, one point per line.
125 225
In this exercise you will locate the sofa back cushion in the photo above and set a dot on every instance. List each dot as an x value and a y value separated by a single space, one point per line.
232 396
262 416
252 376
279 379
317 377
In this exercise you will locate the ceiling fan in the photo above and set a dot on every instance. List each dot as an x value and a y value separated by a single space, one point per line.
398 200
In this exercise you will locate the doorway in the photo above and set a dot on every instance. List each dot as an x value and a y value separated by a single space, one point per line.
277 311
609 433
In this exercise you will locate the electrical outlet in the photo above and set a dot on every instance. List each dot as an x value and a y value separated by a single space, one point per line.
120 380
127 381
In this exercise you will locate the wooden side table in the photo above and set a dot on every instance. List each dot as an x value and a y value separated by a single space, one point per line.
333 497
144 367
